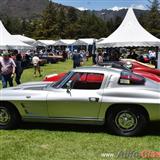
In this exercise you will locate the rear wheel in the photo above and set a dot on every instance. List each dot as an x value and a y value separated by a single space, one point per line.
9 117
126 121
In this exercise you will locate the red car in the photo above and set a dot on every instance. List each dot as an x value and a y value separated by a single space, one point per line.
136 67
144 58
54 77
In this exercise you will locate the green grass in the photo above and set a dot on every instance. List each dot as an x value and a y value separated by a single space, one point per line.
56 142
47 69
69 142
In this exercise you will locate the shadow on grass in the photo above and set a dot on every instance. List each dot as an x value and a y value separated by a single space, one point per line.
153 128
63 127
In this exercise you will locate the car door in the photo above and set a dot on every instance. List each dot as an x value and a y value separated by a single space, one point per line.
82 100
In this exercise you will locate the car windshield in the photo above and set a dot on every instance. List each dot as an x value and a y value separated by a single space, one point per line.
59 83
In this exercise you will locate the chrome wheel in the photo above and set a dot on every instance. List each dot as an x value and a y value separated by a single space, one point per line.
126 121
4 116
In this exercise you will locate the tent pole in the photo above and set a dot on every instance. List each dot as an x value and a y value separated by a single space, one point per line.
87 47
156 57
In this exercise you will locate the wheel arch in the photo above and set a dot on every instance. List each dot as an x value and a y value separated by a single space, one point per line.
11 105
125 105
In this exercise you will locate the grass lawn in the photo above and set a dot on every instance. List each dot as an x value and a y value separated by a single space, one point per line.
71 142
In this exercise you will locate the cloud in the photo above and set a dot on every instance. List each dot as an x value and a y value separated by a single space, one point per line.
116 8
82 8
140 6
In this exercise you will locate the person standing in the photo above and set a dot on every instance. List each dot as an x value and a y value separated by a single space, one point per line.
76 59
36 64
19 68
99 58
64 55
7 69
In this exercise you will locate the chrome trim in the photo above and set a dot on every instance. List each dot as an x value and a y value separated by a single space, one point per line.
65 120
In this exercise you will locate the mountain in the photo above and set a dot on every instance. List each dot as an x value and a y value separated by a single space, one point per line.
22 8
25 8
33 8
110 14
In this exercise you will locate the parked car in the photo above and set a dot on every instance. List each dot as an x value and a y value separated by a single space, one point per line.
54 77
52 58
121 100
48 58
142 69
133 66
144 58
138 66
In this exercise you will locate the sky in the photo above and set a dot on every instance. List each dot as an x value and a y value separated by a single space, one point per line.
104 4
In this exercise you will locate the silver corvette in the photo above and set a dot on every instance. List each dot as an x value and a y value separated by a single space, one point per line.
123 101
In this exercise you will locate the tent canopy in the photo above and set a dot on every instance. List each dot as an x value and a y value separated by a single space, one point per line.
130 34
7 41
64 42
25 39
44 43
84 41
47 42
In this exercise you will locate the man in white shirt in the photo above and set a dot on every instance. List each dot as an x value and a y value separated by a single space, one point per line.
36 64
7 69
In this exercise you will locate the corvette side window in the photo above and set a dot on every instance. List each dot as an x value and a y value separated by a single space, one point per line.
88 81
129 78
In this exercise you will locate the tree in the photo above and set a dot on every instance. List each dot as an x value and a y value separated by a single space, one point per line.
153 18
72 15
61 23
49 22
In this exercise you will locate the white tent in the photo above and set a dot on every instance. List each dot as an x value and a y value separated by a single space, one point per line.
44 43
84 41
65 42
25 39
101 39
38 43
47 42
7 41
129 34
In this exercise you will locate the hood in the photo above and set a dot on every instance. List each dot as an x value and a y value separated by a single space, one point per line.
30 86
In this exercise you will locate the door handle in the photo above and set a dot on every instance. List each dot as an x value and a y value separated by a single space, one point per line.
28 97
93 99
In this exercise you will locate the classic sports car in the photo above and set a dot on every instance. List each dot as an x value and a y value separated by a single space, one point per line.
144 58
137 68
124 101
132 65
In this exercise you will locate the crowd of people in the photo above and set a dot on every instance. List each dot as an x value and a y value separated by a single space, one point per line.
12 63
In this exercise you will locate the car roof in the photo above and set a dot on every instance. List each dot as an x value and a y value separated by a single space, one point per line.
98 69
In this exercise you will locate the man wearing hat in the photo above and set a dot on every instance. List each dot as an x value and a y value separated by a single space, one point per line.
7 69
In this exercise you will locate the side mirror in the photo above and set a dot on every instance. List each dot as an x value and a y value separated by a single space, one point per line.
69 86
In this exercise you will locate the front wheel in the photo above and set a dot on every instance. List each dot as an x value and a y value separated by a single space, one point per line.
9 118
126 121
